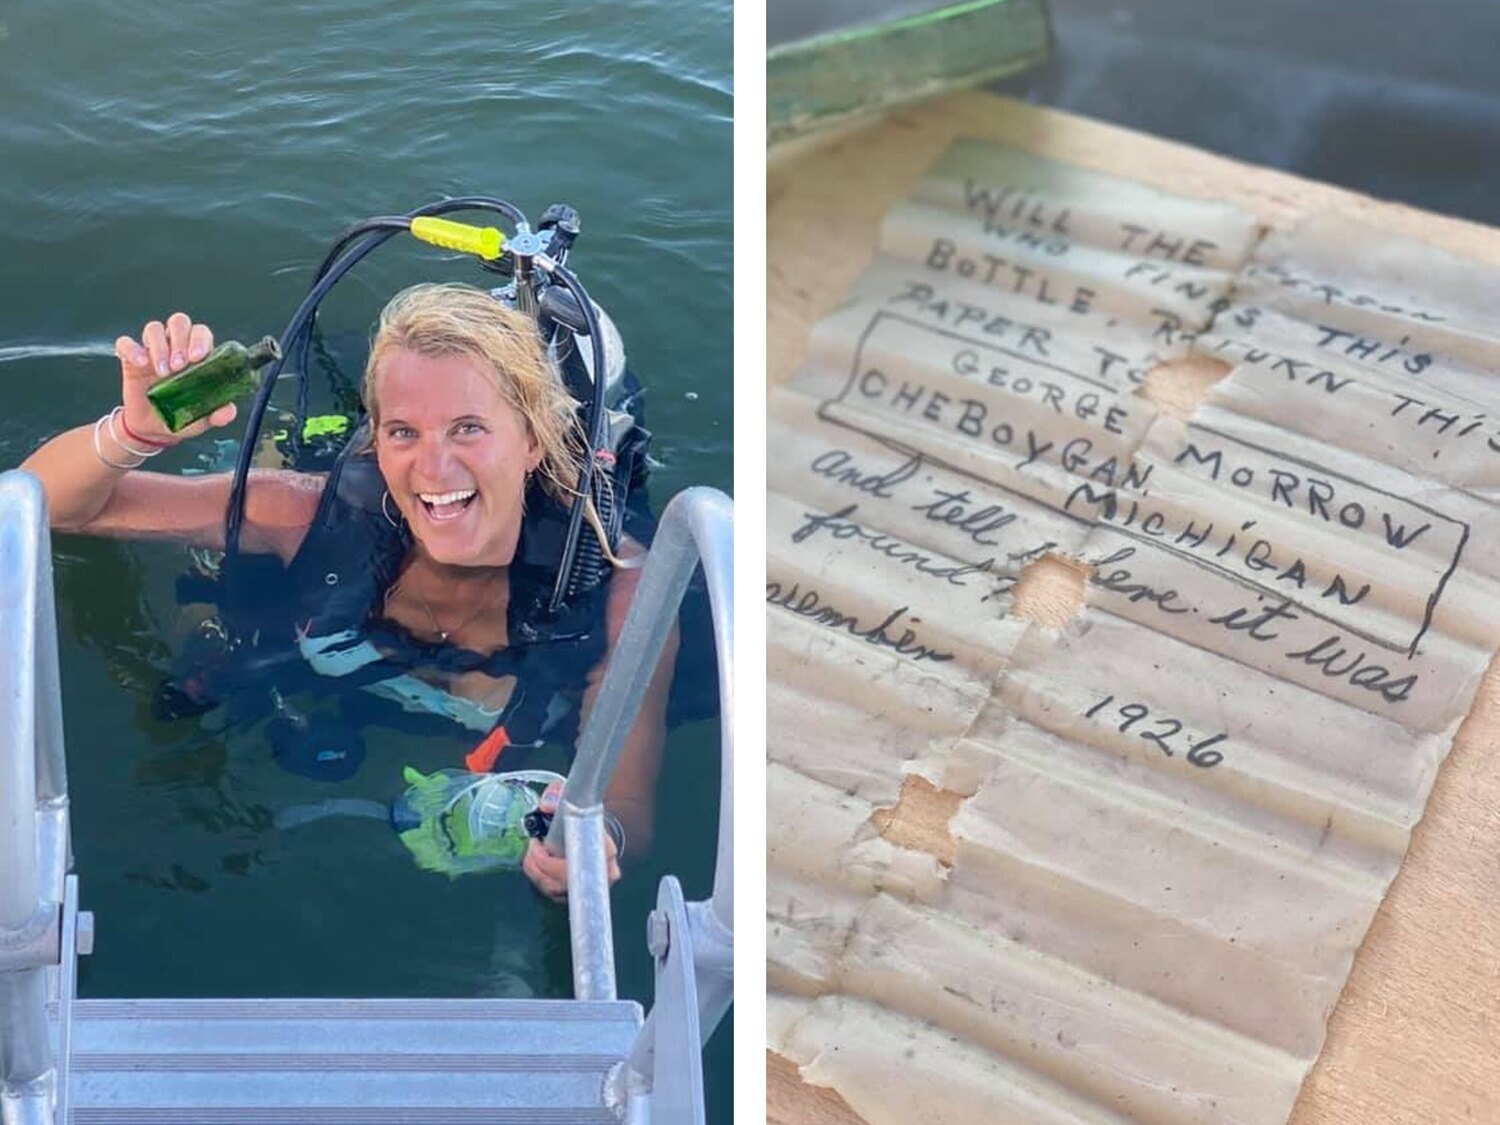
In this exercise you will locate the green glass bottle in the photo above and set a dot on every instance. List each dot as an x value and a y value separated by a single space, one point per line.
225 374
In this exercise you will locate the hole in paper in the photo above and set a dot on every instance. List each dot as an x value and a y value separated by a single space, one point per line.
1050 590
919 819
1179 385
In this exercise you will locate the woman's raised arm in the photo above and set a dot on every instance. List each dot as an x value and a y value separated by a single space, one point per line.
88 476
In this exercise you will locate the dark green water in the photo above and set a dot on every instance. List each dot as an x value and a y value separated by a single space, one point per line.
156 157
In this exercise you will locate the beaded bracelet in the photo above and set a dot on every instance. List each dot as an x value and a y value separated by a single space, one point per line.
99 449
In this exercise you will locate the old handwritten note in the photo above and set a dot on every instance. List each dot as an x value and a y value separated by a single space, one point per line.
1169 822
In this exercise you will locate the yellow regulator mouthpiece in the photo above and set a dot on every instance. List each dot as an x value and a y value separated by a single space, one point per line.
482 242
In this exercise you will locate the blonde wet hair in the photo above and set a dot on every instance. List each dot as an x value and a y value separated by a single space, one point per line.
436 319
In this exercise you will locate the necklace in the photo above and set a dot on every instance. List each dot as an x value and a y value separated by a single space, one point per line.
437 626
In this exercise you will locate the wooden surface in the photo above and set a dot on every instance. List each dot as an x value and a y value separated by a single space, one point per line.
1415 1037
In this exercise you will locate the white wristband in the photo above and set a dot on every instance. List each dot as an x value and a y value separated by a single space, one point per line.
120 441
99 449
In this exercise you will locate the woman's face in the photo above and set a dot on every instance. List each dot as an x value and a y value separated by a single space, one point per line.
454 455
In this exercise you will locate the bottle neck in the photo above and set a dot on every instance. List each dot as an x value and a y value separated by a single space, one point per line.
264 352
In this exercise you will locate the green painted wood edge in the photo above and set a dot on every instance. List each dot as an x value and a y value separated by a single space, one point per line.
831 78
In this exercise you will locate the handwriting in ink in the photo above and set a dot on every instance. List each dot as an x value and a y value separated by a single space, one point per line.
1443 420
1332 293
956 313
1162 245
1159 276
1121 581
1112 363
1171 329
1161 732
1063 400
1359 670
973 418
1256 625
1296 370
1296 490
957 509
1332 656
840 525
1250 551
810 605
1374 351
968 416
1329 656
1053 247
839 466
1011 277
1017 206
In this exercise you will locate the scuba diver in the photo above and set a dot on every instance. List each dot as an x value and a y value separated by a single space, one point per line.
464 555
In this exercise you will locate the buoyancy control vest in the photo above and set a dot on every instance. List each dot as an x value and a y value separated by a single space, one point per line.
353 553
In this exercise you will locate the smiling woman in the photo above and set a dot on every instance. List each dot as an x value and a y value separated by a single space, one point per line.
420 562
465 409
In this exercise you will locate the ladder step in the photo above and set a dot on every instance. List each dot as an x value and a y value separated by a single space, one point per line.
204 1060
281 1093
355 1027
254 1115
362 1008
377 1061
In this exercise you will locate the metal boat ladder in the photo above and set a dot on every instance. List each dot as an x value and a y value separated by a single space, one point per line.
66 1061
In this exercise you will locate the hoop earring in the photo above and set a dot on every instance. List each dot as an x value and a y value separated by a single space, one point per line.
385 500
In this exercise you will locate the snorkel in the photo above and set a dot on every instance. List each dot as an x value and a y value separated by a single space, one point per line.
542 285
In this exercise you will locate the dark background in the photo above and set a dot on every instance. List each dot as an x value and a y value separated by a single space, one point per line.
1396 100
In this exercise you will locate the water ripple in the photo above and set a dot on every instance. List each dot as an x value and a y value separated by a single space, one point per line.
10 353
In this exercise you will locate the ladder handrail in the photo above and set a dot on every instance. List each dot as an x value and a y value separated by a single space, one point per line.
31 746
33 798
697 525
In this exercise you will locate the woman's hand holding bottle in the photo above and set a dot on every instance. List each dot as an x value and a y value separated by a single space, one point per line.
163 350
